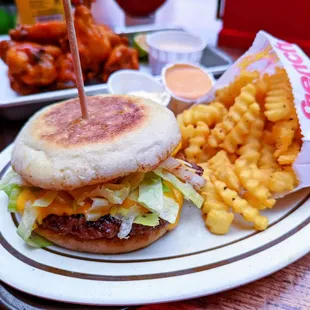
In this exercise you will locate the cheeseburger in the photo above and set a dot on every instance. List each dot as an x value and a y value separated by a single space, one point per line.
106 184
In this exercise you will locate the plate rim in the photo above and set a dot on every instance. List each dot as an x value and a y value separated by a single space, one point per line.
245 280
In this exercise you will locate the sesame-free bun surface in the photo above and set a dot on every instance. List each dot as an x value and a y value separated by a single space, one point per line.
58 150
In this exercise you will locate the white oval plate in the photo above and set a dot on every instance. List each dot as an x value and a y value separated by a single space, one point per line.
188 262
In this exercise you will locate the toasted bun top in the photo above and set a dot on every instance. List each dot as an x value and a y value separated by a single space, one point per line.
57 149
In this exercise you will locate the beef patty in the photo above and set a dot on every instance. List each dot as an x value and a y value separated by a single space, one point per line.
105 227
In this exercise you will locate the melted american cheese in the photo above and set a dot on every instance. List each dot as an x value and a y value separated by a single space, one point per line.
61 209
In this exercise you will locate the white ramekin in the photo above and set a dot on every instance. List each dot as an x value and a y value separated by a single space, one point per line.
161 54
178 104
128 81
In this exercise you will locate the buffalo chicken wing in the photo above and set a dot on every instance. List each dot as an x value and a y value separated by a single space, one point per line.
39 59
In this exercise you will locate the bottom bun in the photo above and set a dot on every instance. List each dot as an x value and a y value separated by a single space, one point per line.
104 245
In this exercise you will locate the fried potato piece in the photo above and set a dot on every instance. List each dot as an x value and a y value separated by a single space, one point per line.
187 131
253 201
268 137
194 152
228 94
250 150
240 205
283 133
223 170
242 103
218 218
289 156
282 181
262 86
219 221
238 133
267 160
279 99
252 184
210 114
208 153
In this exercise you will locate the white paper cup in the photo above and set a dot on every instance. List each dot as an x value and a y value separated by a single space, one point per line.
129 81
178 104
173 46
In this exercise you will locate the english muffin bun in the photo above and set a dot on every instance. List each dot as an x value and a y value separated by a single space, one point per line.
58 150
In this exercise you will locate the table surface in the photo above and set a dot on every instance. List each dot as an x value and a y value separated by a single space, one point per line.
286 289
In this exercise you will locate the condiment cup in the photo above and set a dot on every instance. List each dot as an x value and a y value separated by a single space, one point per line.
179 104
173 46
129 81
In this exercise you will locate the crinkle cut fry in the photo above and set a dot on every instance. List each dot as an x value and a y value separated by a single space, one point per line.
283 180
227 94
267 159
242 128
262 87
285 132
252 184
187 131
289 156
240 205
250 150
253 201
210 114
223 170
194 152
218 219
279 100
242 103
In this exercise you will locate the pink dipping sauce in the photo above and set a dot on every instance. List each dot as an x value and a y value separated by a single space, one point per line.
187 82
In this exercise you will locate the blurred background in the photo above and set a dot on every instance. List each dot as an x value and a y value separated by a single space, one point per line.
235 21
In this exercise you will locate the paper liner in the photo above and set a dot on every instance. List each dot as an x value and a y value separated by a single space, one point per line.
266 53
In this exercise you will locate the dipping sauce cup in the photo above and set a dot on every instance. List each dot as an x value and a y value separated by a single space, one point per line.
186 83
173 47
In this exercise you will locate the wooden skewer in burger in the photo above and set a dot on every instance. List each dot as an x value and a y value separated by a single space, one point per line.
103 183
75 56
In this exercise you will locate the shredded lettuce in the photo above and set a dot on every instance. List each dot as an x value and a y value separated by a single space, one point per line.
115 193
99 203
93 216
151 194
36 241
134 179
166 189
14 193
95 211
186 189
12 178
27 222
170 210
46 200
134 195
151 219
8 189
126 226
127 216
